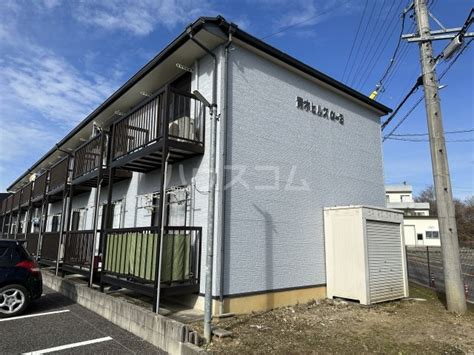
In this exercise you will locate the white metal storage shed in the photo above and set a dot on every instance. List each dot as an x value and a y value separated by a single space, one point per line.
365 254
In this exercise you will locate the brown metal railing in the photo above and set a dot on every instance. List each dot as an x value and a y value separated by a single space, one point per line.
78 248
26 195
144 125
16 200
9 204
88 157
32 243
139 128
58 175
39 187
49 246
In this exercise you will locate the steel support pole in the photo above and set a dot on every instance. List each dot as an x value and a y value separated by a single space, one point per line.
455 298
165 115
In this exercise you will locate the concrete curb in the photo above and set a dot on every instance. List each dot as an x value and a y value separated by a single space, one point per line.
164 333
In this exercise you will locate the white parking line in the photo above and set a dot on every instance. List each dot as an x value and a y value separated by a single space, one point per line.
69 346
33 315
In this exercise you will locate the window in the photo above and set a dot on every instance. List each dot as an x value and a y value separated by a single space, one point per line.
405 198
78 219
55 223
387 198
176 208
432 235
419 236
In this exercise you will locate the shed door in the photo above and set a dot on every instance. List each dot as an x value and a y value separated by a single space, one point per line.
386 281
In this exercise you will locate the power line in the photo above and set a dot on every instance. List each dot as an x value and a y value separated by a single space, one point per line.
427 140
360 45
355 39
394 113
306 20
387 25
370 43
397 47
426 134
421 98
367 43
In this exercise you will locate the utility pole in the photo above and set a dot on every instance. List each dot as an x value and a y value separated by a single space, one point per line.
455 298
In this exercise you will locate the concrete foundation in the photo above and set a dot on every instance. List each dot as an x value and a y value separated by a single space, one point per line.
164 333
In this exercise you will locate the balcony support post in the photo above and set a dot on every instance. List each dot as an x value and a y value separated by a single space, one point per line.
106 215
165 114
64 219
96 209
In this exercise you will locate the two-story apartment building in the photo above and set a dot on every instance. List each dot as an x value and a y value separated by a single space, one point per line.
420 228
289 140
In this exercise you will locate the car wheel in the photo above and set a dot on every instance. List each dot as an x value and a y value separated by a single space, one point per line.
13 300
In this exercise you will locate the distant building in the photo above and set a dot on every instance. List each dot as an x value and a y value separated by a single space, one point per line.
420 228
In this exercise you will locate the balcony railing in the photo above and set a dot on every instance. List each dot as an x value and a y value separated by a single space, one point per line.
58 176
139 133
9 204
130 257
49 247
78 248
16 200
139 128
32 243
89 157
39 187
26 195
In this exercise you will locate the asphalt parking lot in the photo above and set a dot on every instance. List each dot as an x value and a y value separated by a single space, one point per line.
55 324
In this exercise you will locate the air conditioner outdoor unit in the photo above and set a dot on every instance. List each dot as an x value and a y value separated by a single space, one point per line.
365 254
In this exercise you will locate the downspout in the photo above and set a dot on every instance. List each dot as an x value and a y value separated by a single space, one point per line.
212 196
222 170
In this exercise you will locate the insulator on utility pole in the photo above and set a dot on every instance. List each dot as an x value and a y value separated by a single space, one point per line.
453 47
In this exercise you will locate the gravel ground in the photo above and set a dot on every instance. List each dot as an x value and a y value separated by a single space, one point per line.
326 326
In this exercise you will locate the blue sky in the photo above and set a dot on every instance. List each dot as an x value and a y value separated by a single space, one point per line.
60 59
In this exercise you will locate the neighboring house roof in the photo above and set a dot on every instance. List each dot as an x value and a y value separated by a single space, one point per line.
225 26
398 188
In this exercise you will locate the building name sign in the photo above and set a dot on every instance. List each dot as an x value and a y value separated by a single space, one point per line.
319 110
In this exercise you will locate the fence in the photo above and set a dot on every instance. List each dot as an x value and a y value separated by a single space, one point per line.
425 266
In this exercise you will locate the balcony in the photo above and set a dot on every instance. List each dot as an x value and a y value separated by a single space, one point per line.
49 248
138 138
25 196
16 201
89 160
130 259
58 179
39 189
78 247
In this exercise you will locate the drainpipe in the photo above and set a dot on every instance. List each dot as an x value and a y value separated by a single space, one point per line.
212 195
222 164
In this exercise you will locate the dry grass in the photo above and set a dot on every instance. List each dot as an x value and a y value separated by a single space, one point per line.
327 326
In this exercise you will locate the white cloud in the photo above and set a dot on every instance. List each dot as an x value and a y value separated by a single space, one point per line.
51 86
140 17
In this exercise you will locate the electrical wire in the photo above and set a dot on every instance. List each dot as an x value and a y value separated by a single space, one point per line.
370 43
425 134
355 39
360 46
371 63
397 47
421 98
306 20
427 140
